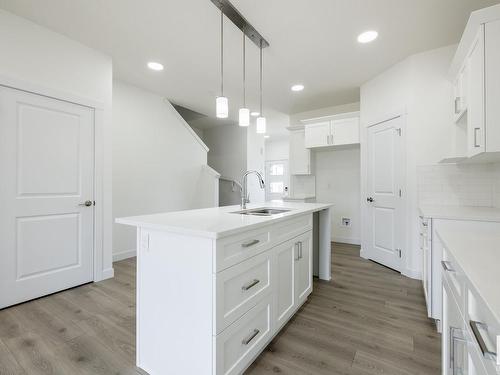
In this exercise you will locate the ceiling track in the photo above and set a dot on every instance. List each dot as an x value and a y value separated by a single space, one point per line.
241 23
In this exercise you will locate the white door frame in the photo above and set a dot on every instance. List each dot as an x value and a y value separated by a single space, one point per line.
404 190
102 189
287 175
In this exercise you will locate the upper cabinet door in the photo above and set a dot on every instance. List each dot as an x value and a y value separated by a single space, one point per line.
345 131
318 134
300 156
475 96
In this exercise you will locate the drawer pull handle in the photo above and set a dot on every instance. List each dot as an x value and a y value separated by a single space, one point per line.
300 249
251 337
250 285
446 266
250 243
476 327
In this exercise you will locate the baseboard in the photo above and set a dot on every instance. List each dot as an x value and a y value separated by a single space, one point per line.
363 254
412 274
124 255
347 240
108 273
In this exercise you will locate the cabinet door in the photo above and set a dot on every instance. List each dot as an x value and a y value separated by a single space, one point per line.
345 131
318 134
286 255
300 156
475 96
303 268
454 344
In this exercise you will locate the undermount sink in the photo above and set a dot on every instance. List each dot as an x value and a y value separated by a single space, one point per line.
262 211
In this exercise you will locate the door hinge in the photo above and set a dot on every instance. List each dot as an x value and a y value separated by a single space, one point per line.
398 130
399 252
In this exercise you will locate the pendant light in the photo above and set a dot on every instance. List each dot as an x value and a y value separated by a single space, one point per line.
221 102
261 120
244 113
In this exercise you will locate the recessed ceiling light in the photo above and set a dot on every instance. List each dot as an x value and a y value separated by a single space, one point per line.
367 36
297 87
155 66
266 136
254 114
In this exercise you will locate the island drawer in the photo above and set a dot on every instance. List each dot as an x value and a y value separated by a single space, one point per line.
239 288
239 343
239 247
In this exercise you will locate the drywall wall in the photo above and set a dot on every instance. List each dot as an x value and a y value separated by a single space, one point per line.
338 182
255 161
157 161
42 61
418 89
277 149
228 156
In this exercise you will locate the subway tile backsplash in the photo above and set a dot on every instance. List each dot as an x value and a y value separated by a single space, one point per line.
459 185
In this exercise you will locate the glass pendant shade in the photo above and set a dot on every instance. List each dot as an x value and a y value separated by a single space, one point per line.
261 125
244 117
222 107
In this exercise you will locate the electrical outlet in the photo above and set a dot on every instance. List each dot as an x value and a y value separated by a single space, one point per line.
346 222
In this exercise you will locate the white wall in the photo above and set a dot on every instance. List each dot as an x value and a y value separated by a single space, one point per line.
338 182
49 63
417 88
255 161
277 149
157 162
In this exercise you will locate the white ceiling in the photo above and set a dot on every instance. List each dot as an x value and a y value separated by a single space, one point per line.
311 42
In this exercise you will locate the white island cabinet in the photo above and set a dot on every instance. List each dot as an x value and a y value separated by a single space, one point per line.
215 286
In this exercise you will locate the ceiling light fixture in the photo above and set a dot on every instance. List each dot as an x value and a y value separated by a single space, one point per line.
298 87
254 114
367 36
244 112
221 102
261 120
155 66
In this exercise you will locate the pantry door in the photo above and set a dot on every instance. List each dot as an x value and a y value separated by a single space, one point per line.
384 201
46 195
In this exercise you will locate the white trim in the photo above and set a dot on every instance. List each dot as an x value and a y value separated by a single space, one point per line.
338 116
34 88
99 163
346 240
363 254
120 255
412 274
211 171
186 125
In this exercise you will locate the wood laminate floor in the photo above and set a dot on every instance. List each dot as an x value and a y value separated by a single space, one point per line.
367 320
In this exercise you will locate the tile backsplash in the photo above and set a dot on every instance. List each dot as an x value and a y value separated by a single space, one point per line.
459 185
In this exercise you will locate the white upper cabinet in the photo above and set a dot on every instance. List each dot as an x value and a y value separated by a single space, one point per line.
335 130
318 134
475 73
300 156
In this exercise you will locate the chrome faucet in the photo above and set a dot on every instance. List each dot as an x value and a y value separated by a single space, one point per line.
244 188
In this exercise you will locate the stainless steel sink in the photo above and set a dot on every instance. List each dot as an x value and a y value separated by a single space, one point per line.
262 211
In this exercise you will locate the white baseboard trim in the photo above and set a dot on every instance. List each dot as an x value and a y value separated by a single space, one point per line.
363 254
412 274
347 240
108 273
124 255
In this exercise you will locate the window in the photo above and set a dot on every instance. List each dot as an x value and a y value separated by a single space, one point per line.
277 170
276 187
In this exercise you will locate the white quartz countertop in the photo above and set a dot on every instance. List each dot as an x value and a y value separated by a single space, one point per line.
219 222
476 248
461 213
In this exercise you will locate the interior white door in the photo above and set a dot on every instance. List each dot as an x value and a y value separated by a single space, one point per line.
318 134
385 223
47 168
276 179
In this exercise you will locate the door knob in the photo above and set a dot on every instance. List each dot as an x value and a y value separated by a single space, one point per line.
370 199
86 204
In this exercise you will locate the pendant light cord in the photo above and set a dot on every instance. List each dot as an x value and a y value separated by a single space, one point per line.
244 71
221 51
261 115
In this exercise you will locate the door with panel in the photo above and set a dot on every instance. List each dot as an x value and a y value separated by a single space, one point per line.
46 195
475 96
385 177
303 267
318 134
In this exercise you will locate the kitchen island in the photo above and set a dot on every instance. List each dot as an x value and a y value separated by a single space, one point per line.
215 285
